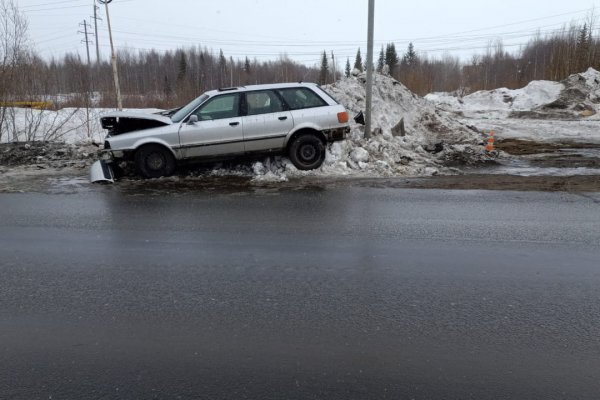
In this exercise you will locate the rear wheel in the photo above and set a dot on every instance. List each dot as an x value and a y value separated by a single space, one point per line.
154 161
307 152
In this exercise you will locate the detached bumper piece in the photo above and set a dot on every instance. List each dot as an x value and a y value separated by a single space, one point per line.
101 172
333 135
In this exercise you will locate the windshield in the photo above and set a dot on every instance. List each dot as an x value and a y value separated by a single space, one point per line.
183 112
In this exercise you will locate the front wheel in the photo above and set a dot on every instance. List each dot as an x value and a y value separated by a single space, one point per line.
154 161
307 152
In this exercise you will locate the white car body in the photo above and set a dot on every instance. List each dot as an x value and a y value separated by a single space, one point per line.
231 122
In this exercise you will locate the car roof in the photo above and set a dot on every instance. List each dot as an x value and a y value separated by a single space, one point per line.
260 87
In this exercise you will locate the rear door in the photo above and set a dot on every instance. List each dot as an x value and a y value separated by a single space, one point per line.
266 123
219 129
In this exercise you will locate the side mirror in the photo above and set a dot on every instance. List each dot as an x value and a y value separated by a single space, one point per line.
193 119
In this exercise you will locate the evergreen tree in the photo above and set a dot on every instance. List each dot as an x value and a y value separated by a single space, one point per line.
391 57
323 74
222 68
347 71
381 61
410 58
182 68
358 63
582 48
247 66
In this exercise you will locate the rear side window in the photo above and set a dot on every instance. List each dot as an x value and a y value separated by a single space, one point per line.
263 102
298 98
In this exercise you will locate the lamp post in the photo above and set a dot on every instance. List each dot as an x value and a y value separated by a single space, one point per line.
113 57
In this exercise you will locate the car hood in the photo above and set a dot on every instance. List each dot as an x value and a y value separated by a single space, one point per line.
119 122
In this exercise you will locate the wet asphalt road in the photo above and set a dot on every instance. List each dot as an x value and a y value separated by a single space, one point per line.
351 292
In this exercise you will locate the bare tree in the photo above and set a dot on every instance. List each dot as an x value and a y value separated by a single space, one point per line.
13 46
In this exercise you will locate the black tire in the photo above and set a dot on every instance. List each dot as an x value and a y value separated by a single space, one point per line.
154 161
307 152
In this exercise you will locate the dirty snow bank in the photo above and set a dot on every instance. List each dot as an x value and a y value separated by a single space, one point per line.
500 102
543 111
575 97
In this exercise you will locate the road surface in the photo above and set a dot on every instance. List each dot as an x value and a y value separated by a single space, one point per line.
348 292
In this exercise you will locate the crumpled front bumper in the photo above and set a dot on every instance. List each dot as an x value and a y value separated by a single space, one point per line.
101 171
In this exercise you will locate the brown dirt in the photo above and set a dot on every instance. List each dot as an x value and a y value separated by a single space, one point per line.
526 147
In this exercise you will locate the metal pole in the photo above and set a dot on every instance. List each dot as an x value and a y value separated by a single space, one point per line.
96 32
333 66
87 42
114 61
369 69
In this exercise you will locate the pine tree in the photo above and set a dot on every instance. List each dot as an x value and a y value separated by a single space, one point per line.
381 61
410 58
182 68
247 66
391 57
358 63
222 68
347 71
583 49
323 74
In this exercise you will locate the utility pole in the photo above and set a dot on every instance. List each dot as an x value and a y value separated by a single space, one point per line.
113 57
96 18
87 80
231 70
333 66
86 40
369 99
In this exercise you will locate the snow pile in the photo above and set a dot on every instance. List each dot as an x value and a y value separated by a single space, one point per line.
576 97
541 111
500 102
579 99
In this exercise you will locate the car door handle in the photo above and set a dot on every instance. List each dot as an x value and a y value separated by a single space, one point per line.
282 118
234 123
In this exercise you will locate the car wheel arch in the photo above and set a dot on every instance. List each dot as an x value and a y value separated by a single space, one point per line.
143 143
304 131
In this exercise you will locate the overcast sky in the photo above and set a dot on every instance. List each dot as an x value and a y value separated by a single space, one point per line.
265 29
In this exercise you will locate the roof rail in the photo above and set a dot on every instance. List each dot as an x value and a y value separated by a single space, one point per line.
226 89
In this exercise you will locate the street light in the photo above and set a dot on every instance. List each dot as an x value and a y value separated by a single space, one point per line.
113 57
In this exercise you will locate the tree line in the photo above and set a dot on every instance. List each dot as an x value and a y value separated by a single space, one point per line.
553 57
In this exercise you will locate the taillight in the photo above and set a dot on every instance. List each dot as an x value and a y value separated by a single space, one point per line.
342 117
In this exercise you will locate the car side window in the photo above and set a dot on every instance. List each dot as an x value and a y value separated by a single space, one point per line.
263 102
220 107
298 98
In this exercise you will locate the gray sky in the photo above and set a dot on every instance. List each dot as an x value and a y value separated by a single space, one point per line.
265 29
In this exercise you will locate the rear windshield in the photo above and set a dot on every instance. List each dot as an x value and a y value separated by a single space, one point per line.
298 98
326 93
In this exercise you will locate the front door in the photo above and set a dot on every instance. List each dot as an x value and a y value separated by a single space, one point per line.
219 129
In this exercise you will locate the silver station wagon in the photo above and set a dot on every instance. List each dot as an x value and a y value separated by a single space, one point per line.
294 119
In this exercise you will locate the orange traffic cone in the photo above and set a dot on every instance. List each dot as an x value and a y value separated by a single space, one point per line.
490 142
